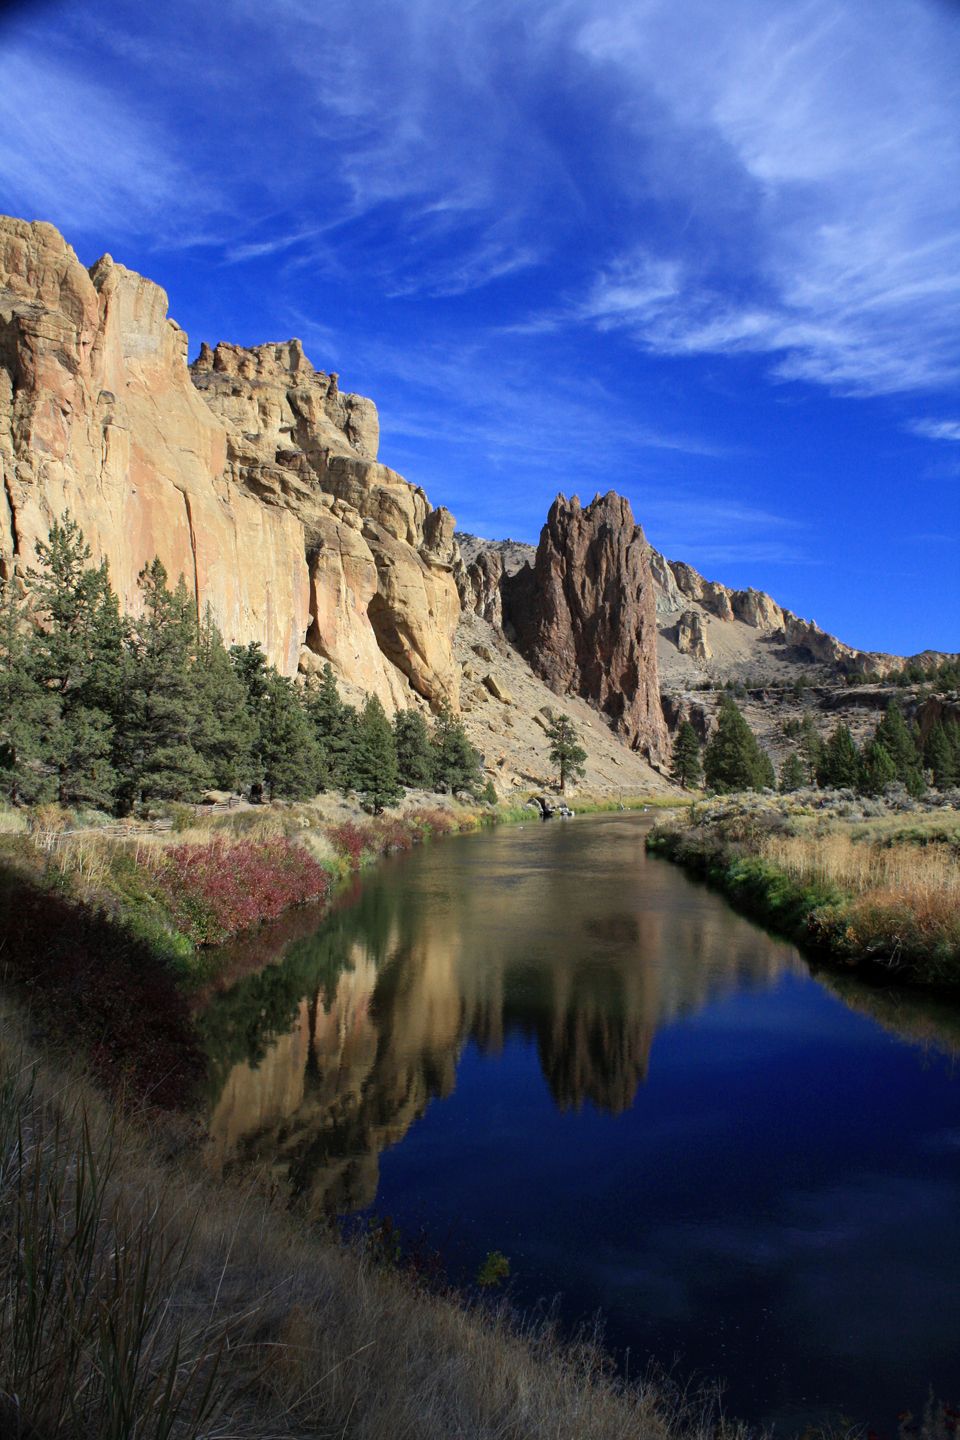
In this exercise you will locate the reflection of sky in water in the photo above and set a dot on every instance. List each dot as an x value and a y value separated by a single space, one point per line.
644 1101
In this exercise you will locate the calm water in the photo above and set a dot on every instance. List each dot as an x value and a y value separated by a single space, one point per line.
541 1041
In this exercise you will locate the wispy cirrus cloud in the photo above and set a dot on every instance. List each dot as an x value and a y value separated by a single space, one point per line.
929 429
71 148
839 127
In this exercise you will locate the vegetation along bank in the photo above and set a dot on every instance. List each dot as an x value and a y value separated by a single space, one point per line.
870 883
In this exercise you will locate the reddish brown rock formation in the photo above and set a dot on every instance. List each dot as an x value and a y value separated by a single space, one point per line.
584 616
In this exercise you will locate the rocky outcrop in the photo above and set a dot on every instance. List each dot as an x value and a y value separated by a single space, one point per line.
584 616
251 474
692 635
678 584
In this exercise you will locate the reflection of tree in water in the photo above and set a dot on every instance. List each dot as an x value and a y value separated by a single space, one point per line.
321 1062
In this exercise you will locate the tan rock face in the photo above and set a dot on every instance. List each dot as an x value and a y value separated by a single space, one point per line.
692 635
253 476
585 616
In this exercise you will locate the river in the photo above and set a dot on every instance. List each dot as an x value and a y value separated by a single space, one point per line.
542 1041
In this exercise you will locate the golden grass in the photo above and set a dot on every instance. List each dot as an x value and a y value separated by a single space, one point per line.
923 874
259 1328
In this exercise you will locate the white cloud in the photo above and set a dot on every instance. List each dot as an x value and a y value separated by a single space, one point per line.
72 152
840 126
936 429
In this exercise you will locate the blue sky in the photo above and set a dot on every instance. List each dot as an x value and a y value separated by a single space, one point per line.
704 254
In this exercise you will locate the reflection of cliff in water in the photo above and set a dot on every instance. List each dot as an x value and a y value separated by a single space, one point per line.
321 1062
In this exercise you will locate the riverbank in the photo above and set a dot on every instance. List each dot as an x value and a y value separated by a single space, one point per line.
878 890
139 1294
107 930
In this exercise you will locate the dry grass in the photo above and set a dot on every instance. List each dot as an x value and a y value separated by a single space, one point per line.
925 875
146 1303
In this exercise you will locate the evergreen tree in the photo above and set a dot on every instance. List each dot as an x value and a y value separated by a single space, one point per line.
877 769
456 763
335 726
810 748
375 764
686 768
29 714
77 655
414 750
900 744
733 760
839 767
566 752
793 774
227 730
288 752
943 755
158 754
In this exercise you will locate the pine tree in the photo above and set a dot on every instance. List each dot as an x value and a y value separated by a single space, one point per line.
29 713
289 754
793 775
226 728
335 726
414 750
733 760
375 765
158 754
456 762
810 748
942 756
839 767
77 655
686 767
901 745
877 769
566 752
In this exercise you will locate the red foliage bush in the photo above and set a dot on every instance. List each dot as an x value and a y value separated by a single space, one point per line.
390 835
216 890
349 840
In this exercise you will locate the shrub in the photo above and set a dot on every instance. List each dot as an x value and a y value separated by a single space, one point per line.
216 890
349 840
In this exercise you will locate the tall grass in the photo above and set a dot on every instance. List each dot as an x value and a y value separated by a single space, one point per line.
880 893
91 1339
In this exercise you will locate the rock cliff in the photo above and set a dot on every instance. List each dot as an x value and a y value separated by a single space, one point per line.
249 473
584 616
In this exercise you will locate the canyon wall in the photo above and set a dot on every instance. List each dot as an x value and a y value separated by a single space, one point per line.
249 473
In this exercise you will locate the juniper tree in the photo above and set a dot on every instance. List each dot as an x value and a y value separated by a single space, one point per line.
943 754
810 748
415 757
733 760
227 730
686 767
289 755
877 769
839 766
900 744
158 754
76 653
566 752
375 758
793 774
335 726
456 762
